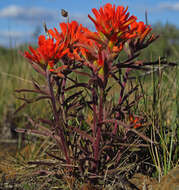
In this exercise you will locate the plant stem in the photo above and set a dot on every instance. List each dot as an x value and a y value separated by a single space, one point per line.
59 125
98 132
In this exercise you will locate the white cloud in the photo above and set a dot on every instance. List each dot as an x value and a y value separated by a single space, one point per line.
32 14
11 11
14 34
170 6
23 22
38 15
14 37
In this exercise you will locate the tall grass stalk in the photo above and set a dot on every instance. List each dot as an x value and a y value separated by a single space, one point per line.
15 72
161 109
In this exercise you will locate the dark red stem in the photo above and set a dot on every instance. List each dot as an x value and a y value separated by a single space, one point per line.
58 122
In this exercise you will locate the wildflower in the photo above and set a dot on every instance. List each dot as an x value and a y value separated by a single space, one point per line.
135 121
76 38
71 34
113 23
142 38
47 54
140 29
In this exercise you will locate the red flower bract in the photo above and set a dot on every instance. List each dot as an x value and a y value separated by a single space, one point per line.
140 29
48 52
71 34
135 121
112 22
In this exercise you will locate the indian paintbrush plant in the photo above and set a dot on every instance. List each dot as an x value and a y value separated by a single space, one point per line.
87 85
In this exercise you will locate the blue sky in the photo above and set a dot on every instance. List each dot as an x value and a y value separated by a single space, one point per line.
21 19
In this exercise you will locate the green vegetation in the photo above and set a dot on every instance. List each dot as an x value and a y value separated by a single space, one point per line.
15 73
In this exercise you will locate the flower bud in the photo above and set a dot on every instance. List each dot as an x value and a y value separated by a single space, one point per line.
64 13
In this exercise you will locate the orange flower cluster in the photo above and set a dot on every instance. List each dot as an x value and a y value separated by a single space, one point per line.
114 27
140 29
113 23
48 52
70 33
135 121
